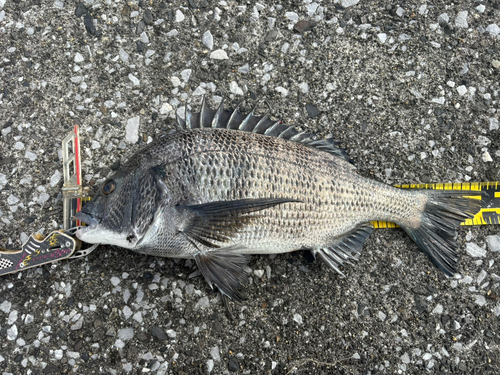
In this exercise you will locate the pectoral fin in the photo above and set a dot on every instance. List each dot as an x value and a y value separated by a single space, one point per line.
219 221
225 270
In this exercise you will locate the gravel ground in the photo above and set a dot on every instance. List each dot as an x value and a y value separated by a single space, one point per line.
410 90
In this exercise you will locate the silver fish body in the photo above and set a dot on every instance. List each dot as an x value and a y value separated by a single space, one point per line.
213 192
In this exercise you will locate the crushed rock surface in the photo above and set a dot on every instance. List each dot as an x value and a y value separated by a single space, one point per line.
410 90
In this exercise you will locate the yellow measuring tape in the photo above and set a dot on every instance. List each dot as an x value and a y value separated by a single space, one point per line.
489 214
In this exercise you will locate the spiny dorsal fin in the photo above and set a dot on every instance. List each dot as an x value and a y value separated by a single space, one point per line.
234 119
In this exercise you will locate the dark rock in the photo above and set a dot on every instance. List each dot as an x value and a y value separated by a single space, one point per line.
141 26
304 26
89 24
271 35
148 17
312 110
159 333
233 364
80 10
141 336
50 368
140 46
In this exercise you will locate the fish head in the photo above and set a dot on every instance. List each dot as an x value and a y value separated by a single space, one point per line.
123 208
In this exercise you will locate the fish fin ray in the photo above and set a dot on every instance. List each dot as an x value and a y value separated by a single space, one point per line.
436 235
219 221
345 249
224 269
236 120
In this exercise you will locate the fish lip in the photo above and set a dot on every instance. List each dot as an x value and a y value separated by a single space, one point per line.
87 219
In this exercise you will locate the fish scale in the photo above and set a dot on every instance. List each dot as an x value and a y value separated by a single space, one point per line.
226 184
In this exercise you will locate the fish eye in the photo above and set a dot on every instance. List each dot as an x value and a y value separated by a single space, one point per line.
108 187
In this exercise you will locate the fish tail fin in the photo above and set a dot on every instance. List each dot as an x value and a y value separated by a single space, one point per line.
436 234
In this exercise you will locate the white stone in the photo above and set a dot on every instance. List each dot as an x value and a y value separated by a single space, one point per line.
185 74
30 155
208 39
481 8
124 56
132 129
5 306
210 365
58 4
126 333
42 198
175 81
493 123
493 29
382 37
292 16
304 87
348 3
171 333
58 354
486 157
461 19
474 250
214 352
12 333
438 309
462 90
127 312
405 358
138 317
179 16
219 54
18 146
443 18
381 316
134 79
282 90
12 317
203 303
297 318
480 300
235 89
400 12
79 57
95 145
258 273
493 242
166 108
11 199
115 280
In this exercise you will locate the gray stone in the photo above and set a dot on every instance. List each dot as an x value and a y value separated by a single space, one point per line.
348 3
126 333
493 29
461 20
132 129
219 54
493 242
474 250
208 39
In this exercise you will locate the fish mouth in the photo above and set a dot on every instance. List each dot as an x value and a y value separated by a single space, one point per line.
87 219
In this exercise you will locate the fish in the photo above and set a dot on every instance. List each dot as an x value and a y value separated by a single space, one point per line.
226 184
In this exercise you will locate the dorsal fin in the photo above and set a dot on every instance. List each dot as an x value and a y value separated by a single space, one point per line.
236 120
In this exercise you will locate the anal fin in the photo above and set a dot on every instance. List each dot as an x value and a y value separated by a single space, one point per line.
224 269
345 249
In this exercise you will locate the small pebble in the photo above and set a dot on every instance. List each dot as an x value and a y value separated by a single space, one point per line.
493 242
132 129
297 318
219 54
208 39
474 250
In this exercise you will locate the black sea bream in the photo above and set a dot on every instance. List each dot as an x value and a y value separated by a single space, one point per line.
226 184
